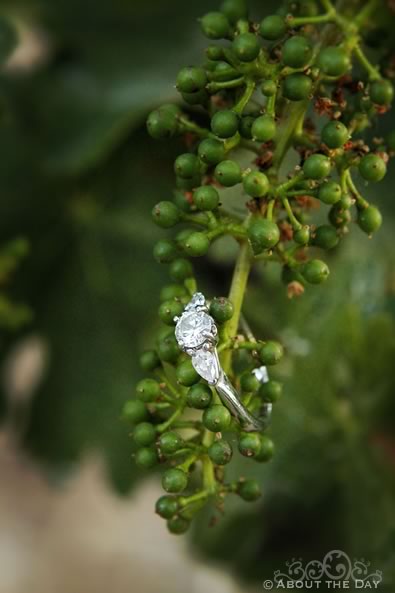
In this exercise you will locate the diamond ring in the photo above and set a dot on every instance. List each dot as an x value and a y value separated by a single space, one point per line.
197 335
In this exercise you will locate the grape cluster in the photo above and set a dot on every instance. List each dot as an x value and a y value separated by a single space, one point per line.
296 87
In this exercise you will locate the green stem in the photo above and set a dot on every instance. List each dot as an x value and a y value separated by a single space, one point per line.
285 138
373 73
292 218
209 482
189 126
246 96
361 202
165 425
313 20
226 84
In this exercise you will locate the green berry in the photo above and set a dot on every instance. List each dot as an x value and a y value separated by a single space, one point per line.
170 442
297 52
256 184
246 47
248 382
178 525
147 390
326 237
338 216
134 411
249 444
174 480
168 349
191 79
346 201
211 151
199 396
270 391
170 309
369 219
266 450
297 87
263 234
381 92
188 184
197 244
172 291
225 123
249 490
165 251
163 122
234 10
372 167
216 418
315 271
224 72
317 166
335 134
186 165
214 52
269 88
165 214
333 61
228 173
146 457
264 128
273 27
181 269
144 434
221 309
206 197
166 506
149 360
302 236
220 452
215 25
271 352
245 126
186 374
329 192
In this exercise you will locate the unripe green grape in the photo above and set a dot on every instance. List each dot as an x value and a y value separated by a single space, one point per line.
263 234
181 269
335 134
215 25
246 47
172 291
186 374
333 61
264 128
256 184
191 79
181 201
149 360
186 165
134 411
317 166
266 450
166 506
326 237
178 525
163 122
297 86
182 236
271 352
234 10
297 52
249 490
220 452
144 434
174 480
165 251
338 216
315 271
302 236
346 201
273 27
216 418
197 98
372 167
225 123
329 192
206 197
168 349
185 184
170 442
224 72
211 151
381 92
370 219
197 244
215 52
165 214
269 88
221 309
249 382
249 444
146 457
228 173
147 390
170 309
270 391
245 126
199 396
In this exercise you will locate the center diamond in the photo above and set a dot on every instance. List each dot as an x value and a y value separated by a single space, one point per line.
193 327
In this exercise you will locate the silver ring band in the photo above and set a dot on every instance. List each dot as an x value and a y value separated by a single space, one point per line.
196 334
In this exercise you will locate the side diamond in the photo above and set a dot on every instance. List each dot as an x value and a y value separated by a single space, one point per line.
206 364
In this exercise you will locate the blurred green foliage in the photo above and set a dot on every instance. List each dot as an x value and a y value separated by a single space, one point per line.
78 178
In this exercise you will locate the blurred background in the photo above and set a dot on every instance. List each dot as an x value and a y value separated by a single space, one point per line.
79 290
